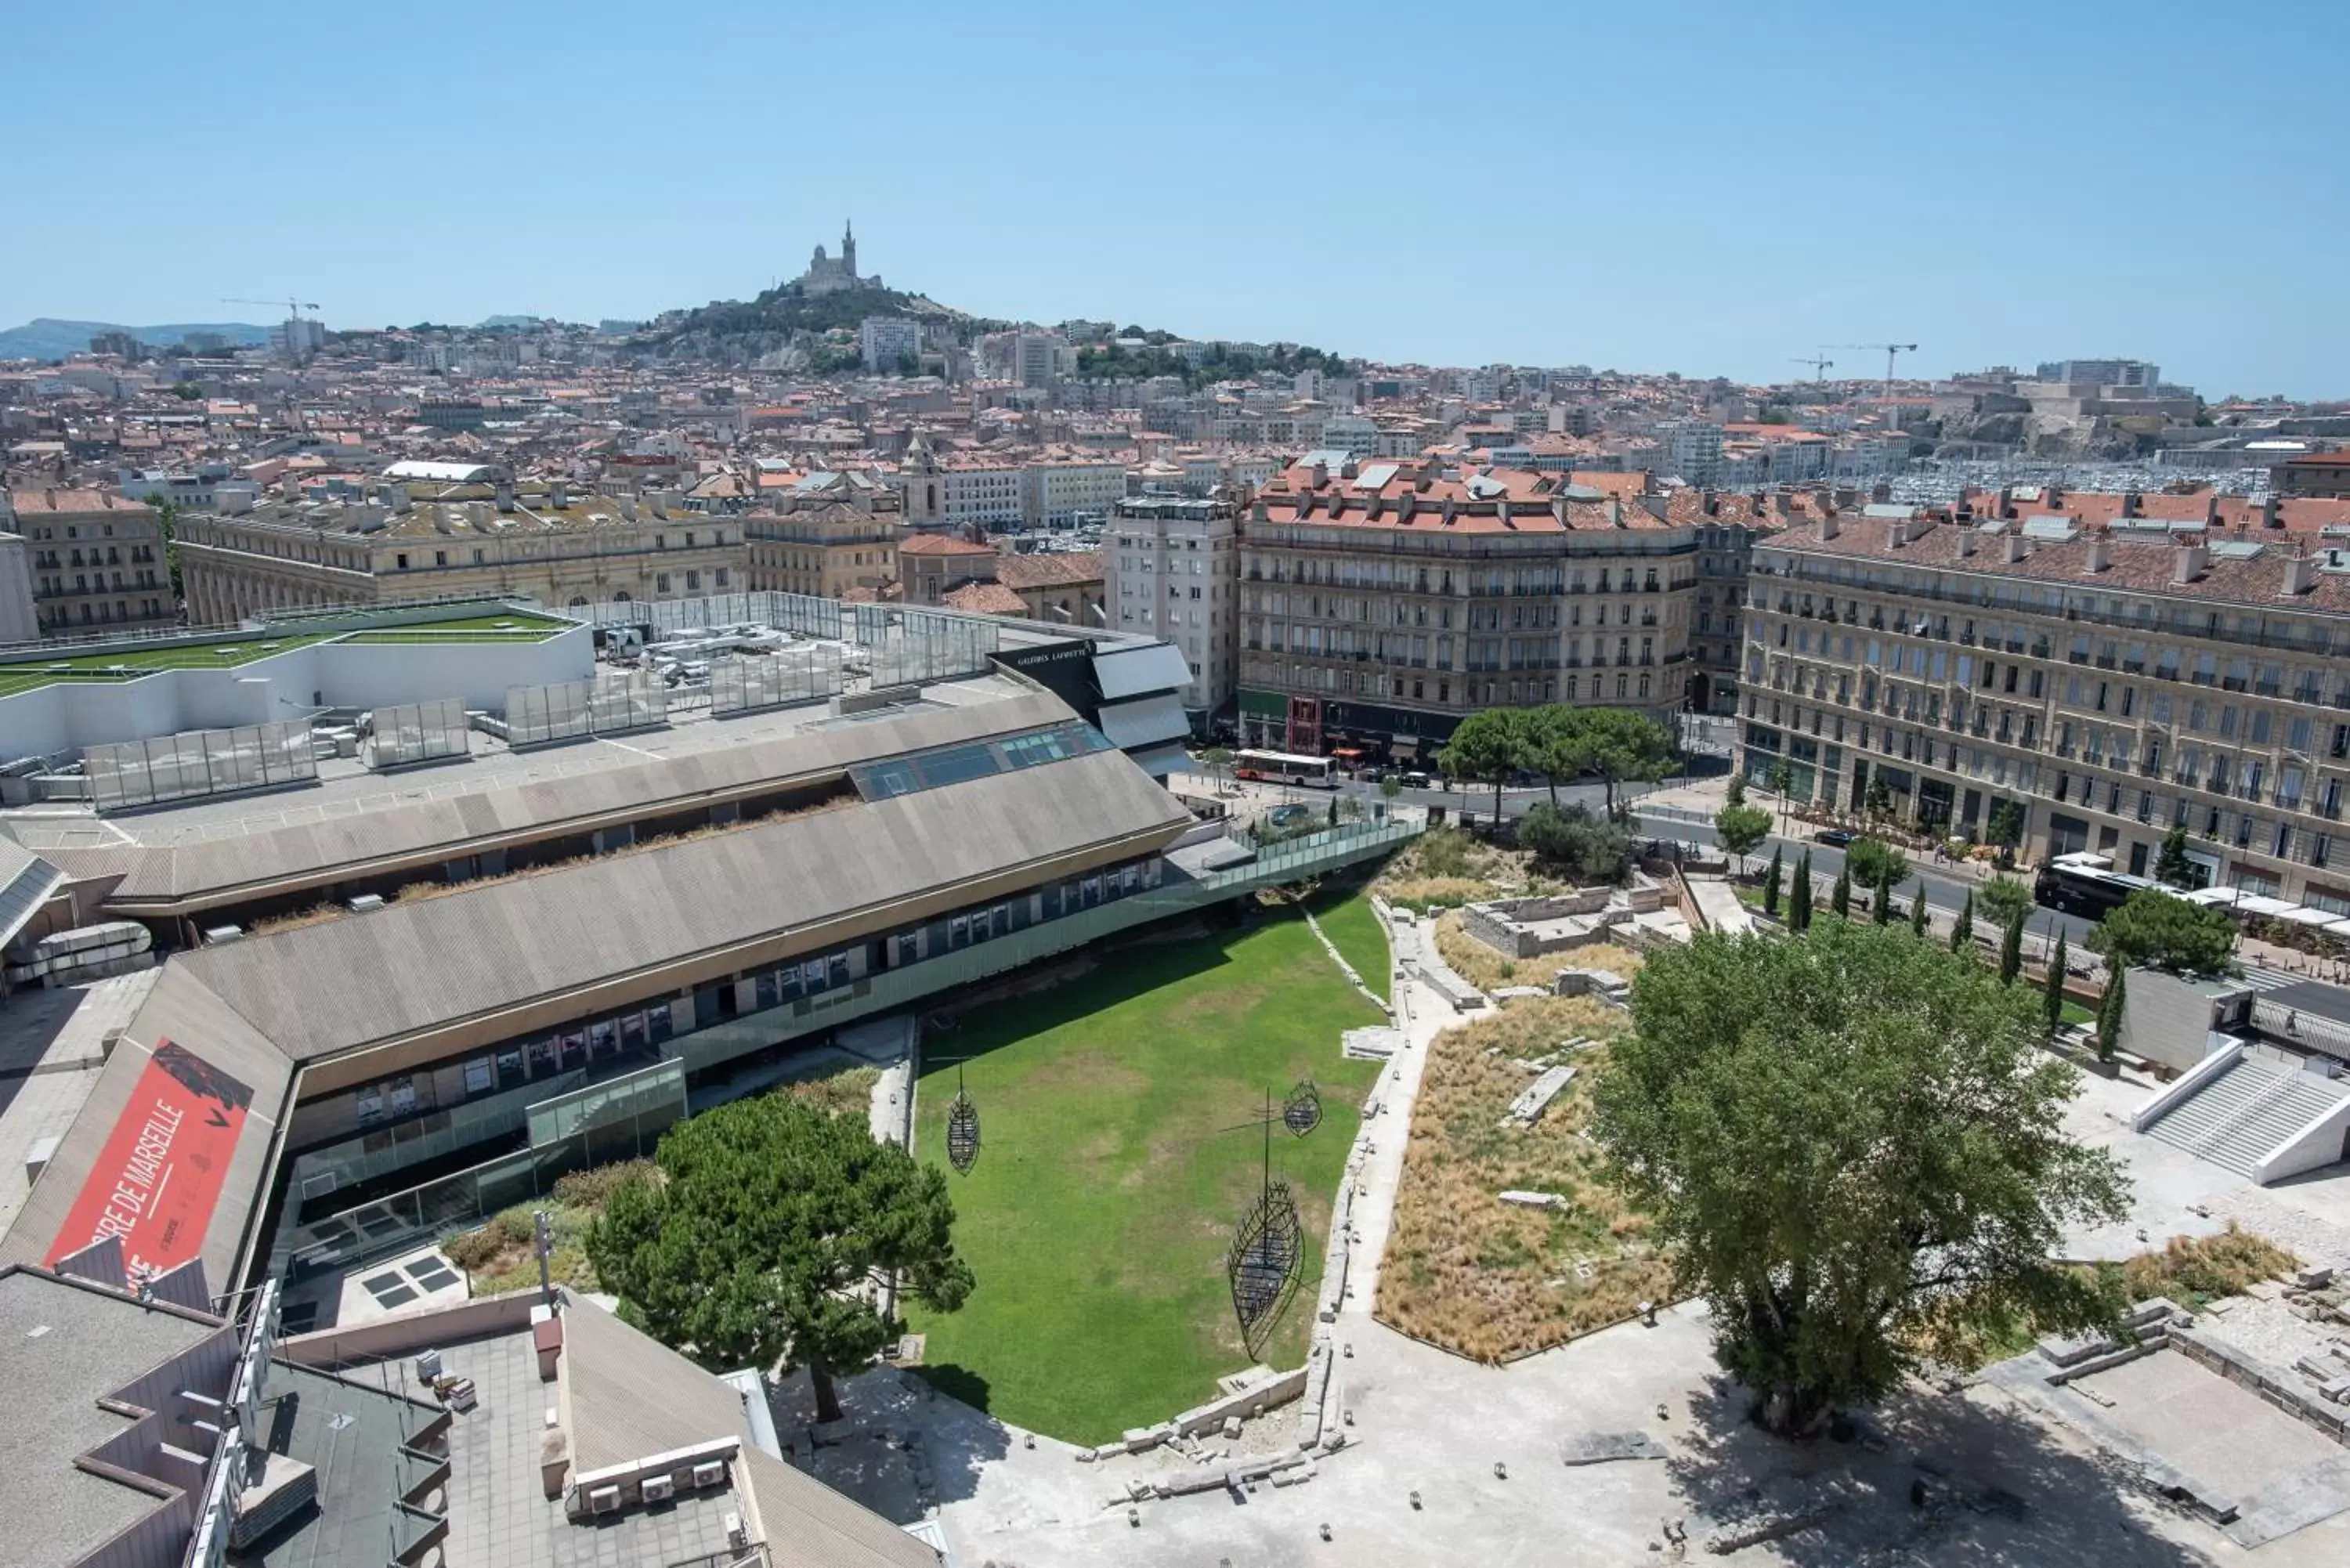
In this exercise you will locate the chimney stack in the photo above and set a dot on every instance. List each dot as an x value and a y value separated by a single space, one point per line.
2097 562
2133 503
2269 518
2188 563
1897 533
1828 525
2015 550
1966 544
2300 575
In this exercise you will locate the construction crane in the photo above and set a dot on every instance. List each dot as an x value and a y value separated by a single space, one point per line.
1820 367
294 308
1890 351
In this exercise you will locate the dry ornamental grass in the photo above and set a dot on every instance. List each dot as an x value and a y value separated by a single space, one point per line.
1487 968
1494 1281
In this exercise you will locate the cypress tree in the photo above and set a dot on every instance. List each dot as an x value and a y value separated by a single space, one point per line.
1770 883
2051 1000
2011 950
1799 896
1880 897
2109 1015
1840 896
1962 930
1918 909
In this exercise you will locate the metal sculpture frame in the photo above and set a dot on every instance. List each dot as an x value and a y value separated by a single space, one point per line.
1301 1112
962 1128
1265 1263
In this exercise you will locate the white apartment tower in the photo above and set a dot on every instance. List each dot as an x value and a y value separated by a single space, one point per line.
1171 570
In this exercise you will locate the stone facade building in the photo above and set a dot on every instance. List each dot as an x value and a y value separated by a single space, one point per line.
547 543
1382 603
96 560
826 535
2105 684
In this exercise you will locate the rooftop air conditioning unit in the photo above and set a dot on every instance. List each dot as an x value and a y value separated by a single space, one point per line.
366 903
710 1472
221 936
604 1499
657 1489
737 1537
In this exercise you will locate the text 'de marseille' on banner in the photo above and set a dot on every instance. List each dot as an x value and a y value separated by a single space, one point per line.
159 1176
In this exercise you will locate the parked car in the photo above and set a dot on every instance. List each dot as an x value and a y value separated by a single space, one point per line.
1836 837
1282 816
1415 781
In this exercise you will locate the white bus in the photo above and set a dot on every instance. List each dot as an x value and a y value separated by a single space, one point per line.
1281 767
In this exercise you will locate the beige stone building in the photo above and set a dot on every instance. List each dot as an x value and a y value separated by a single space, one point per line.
1383 602
934 565
2097 685
554 545
96 561
826 535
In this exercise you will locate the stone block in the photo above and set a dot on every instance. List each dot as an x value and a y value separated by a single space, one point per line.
1602 1448
1535 1200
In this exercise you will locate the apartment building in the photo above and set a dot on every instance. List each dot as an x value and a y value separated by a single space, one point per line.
1065 492
826 536
1382 604
2106 684
1726 534
1171 569
96 560
547 544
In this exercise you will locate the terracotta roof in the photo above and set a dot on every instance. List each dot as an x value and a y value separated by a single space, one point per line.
986 598
1049 571
939 544
61 501
2133 564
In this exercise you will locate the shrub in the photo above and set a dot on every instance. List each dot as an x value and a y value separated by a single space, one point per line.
588 1188
1595 849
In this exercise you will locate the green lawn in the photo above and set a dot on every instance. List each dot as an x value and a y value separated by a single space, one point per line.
128 663
1108 1186
1354 929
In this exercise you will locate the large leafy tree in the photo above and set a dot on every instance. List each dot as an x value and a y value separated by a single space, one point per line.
1623 747
2162 930
1742 829
767 1229
1851 1144
1551 742
1873 861
2005 901
1485 749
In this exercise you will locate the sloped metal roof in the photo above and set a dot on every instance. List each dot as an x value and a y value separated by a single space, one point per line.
164 875
319 989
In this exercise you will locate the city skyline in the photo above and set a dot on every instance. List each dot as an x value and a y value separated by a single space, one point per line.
1724 239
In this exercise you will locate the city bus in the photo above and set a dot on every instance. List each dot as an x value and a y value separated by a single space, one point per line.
2085 885
1283 767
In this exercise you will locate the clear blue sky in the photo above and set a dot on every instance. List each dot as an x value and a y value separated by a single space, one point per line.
1706 187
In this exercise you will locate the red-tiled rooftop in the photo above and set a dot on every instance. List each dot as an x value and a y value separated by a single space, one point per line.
2134 562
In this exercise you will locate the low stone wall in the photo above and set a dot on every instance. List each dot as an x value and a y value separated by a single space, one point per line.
2277 1384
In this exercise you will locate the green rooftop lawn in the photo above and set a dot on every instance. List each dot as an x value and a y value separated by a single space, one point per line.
1109 1180
29 672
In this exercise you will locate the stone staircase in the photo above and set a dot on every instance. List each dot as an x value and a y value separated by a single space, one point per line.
2242 1115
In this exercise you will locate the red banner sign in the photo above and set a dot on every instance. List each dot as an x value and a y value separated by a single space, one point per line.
159 1176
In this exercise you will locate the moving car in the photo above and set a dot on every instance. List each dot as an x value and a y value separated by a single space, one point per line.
1836 838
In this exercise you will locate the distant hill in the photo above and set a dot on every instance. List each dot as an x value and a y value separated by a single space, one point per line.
739 330
49 339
